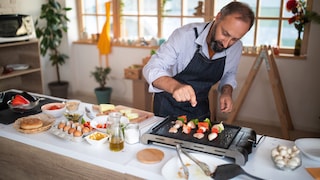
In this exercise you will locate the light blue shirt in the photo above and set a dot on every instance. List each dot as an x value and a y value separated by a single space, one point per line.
174 55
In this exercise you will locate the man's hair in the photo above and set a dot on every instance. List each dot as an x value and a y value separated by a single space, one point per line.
245 12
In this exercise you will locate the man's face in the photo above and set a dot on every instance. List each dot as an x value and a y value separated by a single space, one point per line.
226 32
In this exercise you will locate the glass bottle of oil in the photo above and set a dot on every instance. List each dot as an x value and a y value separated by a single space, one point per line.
116 139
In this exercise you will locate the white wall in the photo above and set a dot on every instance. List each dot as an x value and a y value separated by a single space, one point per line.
300 78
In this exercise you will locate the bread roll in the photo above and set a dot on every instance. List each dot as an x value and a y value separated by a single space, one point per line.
31 123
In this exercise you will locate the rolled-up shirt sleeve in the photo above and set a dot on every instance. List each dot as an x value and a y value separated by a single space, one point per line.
169 60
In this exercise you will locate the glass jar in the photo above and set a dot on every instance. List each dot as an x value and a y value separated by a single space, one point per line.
132 133
116 139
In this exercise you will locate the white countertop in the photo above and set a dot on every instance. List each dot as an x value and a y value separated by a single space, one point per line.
259 163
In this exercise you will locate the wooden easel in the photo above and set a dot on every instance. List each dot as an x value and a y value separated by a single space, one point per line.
277 89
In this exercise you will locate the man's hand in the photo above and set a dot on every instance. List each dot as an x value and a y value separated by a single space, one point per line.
180 92
226 103
183 93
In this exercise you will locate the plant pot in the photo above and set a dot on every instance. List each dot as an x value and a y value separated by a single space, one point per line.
59 89
103 95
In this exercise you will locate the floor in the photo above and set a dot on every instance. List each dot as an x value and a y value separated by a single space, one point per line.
259 128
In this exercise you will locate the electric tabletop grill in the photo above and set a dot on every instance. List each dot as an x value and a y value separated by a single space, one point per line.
233 142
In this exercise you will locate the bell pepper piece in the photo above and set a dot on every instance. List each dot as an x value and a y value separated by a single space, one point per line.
19 100
182 118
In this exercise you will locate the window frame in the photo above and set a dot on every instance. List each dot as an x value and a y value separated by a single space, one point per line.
208 15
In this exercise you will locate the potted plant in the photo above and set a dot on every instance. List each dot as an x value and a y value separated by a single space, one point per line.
103 93
50 35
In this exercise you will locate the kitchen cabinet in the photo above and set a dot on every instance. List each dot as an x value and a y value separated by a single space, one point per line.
21 53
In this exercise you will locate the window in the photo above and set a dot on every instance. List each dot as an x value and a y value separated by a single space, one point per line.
92 16
134 19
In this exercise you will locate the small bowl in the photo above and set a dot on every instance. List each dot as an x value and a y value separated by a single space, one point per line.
97 138
50 109
73 105
75 116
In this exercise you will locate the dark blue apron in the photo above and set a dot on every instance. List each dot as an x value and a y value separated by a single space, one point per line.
201 73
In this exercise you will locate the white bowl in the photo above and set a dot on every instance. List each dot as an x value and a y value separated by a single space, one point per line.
54 112
101 138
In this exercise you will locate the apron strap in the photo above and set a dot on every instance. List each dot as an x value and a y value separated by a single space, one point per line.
196 34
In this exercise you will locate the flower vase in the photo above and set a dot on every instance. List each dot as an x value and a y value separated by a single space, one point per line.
297 46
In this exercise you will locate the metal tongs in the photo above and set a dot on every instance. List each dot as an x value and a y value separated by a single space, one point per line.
185 169
204 167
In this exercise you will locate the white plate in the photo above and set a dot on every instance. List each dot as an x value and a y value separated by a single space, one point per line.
18 66
310 147
172 170
104 119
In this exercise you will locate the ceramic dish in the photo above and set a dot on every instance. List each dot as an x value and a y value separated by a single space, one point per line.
18 66
101 122
309 147
97 138
54 109
172 170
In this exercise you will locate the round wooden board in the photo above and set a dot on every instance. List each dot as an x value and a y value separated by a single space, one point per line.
150 156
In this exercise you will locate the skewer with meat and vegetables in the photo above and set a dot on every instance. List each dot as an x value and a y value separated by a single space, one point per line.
203 127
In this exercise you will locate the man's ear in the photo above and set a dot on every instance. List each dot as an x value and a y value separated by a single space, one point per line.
218 16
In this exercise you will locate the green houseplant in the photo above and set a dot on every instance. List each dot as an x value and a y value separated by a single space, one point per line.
50 35
103 93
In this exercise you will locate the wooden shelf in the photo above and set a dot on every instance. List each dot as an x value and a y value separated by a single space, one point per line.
24 52
19 73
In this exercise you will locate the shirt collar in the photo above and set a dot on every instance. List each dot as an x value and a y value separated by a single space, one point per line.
201 40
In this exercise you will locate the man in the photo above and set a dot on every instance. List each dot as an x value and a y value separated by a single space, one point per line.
195 57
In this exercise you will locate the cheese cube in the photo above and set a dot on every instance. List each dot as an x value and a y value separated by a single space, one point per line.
106 107
132 115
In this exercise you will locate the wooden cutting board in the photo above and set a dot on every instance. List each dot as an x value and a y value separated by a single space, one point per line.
315 172
150 156
143 115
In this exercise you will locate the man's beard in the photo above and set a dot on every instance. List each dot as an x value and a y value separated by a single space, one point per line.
215 45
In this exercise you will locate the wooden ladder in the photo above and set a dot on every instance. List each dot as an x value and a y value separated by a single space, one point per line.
277 89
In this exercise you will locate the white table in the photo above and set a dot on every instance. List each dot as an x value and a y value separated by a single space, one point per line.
125 162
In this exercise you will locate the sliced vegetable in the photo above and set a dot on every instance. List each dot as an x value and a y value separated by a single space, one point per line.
203 124
208 121
200 130
219 126
19 100
182 118
214 129
195 121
